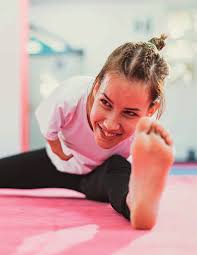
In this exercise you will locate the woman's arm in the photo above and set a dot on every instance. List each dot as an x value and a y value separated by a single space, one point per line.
56 148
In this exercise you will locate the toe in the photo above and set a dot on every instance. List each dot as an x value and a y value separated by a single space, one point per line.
158 129
169 140
144 125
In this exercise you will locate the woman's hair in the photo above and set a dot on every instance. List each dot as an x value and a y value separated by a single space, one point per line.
140 61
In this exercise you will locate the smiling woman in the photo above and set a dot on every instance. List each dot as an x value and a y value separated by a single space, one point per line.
113 113
91 136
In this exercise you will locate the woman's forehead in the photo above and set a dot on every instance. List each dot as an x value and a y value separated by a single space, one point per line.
118 88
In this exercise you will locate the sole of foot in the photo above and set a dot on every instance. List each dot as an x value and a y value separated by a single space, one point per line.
152 156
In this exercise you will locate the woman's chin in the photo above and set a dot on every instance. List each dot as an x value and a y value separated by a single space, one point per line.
105 144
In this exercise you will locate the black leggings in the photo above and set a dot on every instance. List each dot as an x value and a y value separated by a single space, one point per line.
107 182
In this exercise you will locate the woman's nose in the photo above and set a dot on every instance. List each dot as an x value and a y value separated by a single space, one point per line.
111 124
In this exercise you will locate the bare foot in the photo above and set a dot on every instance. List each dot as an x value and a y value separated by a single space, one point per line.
152 157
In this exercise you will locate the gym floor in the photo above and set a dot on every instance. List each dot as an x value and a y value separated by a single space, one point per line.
57 222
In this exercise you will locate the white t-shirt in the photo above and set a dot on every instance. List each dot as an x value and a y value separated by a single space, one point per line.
63 114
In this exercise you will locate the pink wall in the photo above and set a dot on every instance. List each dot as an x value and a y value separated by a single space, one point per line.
24 107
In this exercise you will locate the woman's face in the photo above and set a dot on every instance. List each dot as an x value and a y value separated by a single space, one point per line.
116 107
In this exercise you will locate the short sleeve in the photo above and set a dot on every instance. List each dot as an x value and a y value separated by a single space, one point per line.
56 110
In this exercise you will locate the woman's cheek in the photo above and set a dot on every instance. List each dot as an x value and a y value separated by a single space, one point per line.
94 116
96 112
129 128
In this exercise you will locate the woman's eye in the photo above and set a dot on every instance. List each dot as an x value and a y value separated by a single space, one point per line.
105 103
131 114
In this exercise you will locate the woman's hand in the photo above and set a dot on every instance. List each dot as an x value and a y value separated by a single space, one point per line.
56 148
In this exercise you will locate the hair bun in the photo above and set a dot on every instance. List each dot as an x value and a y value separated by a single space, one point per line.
159 42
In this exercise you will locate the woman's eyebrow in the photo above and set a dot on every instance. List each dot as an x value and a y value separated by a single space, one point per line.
107 98
126 108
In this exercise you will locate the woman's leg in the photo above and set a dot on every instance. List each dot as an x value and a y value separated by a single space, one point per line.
34 170
109 183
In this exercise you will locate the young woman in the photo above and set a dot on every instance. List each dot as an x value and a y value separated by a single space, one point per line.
91 134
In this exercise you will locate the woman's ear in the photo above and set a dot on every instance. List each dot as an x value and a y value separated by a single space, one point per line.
153 108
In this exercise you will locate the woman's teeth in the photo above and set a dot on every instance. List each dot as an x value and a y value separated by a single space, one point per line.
107 133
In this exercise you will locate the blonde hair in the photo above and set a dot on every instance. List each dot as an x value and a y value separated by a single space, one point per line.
140 61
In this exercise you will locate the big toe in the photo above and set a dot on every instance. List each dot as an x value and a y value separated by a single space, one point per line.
144 125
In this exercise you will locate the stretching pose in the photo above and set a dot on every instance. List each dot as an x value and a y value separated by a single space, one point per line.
100 139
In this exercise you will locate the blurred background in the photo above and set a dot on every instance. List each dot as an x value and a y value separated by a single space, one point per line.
43 42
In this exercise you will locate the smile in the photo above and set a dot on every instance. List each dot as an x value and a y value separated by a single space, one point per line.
106 133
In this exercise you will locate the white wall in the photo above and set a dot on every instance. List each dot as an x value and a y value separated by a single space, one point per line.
99 27
181 117
9 77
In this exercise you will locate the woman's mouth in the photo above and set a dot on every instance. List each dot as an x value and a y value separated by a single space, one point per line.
107 134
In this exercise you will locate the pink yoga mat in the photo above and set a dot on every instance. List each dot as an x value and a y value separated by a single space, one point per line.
57 222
